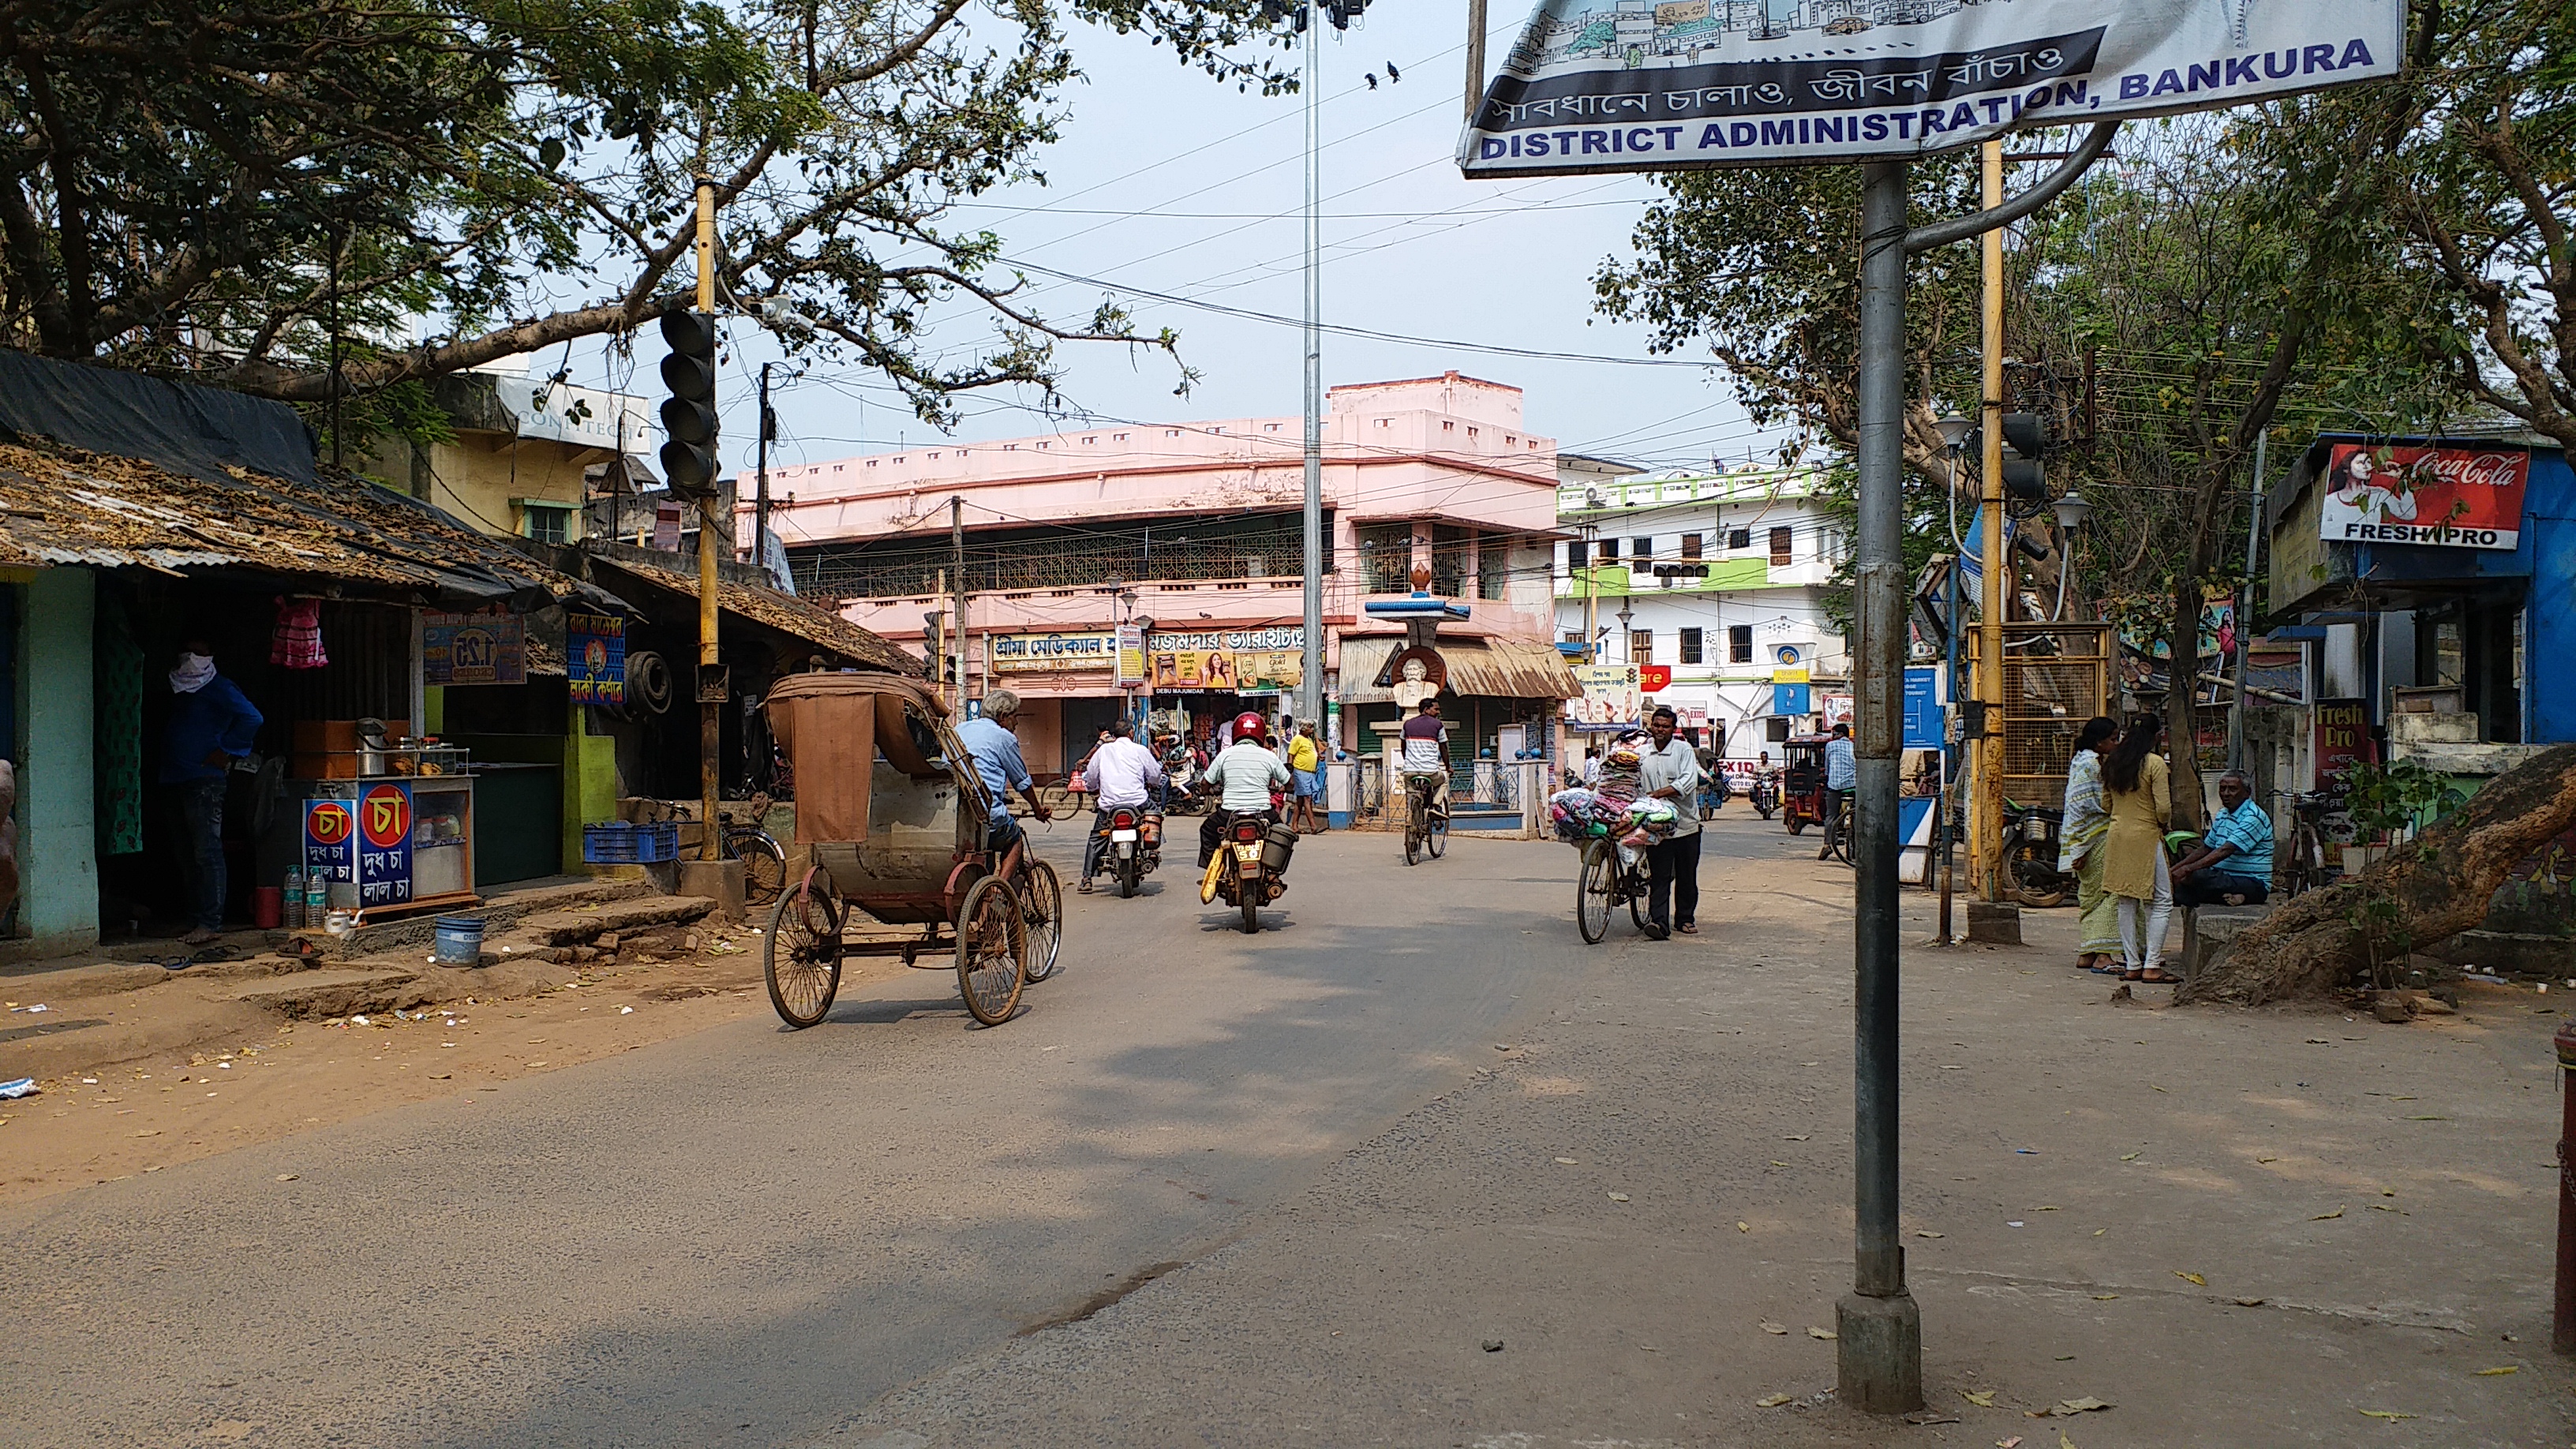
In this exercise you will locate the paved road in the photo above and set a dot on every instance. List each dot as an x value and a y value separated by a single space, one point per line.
745 1235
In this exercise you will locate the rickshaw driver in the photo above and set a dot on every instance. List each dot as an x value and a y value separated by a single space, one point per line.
996 752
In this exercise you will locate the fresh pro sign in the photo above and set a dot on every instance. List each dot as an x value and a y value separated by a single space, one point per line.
1634 85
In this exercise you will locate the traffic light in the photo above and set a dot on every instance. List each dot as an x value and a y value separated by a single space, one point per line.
689 414
2023 480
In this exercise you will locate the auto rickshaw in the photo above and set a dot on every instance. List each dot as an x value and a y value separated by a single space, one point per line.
1802 790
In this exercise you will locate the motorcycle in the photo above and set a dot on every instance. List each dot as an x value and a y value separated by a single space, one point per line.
1765 796
1249 867
2030 856
1135 846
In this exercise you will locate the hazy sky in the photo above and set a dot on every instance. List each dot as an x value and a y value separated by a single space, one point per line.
1168 181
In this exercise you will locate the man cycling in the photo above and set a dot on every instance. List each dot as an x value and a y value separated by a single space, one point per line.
1426 753
995 750
1244 775
1121 775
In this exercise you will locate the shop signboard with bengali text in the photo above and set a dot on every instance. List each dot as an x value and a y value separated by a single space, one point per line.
1051 653
1621 85
2439 497
595 657
384 845
1226 661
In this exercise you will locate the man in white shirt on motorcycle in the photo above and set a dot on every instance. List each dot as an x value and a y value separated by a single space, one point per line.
1244 775
1120 775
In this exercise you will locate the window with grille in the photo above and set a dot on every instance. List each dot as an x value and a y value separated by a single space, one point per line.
1690 546
1386 556
1641 646
1691 643
1780 546
1739 643
547 522
1739 538
1641 549
1609 550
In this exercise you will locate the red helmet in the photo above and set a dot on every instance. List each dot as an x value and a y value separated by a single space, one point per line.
1247 726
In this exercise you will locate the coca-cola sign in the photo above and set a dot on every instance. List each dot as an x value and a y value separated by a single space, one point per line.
2446 497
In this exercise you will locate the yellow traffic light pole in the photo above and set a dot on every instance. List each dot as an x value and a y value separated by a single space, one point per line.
1986 798
710 711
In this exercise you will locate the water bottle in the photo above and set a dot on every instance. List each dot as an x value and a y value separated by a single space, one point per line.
317 898
291 899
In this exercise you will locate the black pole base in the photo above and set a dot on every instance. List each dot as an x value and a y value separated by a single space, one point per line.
1878 1353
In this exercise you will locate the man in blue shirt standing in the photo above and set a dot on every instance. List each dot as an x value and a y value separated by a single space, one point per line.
211 725
1842 773
2233 865
996 752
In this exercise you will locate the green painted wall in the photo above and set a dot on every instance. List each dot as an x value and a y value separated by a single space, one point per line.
57 805
589 791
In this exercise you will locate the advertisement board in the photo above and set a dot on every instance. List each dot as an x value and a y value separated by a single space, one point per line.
595 657
1226 661
1131 655
1611 699
1620 85
384 845
331 840
474 648
2440 497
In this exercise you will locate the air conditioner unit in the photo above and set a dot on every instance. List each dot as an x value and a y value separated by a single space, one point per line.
1594 498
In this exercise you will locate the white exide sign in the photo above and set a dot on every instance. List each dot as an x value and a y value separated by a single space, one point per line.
1640 85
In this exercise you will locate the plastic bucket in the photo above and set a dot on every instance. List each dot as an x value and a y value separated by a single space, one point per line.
460 941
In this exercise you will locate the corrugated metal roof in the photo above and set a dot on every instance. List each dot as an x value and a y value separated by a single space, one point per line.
64 506
1501 668
783 612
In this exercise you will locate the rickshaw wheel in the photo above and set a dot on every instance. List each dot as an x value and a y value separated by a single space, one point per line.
1593 884
1044 908
801 954
992 950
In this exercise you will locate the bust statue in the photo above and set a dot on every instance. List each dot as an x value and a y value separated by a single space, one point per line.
1415 689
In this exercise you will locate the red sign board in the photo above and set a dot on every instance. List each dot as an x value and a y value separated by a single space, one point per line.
384 817
2343 740
1651 677
2443 497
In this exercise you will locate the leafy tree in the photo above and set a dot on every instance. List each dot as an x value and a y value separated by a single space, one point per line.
207 188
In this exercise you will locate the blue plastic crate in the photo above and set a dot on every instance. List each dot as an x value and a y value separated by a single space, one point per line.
619 843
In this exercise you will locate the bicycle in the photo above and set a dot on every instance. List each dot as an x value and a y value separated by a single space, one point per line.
2302 861
1426 821
764 862
1600 886
1838 837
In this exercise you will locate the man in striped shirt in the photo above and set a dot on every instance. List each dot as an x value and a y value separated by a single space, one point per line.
2233 865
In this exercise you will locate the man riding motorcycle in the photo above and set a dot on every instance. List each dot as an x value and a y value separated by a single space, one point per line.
1121 775
1244 774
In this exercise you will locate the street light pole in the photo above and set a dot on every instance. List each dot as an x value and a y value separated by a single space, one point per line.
1879 1343
710 679
1312 706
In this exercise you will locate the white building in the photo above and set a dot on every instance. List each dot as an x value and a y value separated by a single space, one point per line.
1721 577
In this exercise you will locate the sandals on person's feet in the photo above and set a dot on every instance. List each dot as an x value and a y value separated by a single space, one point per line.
2138 975
2158 977
1689 928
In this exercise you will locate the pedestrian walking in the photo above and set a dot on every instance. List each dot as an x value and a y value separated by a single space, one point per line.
1305 770
212 724
2138 789
1669 769
2079 846
1842 773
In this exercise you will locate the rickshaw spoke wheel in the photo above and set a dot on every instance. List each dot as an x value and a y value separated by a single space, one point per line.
992 950
1044 908
1592 889
801 953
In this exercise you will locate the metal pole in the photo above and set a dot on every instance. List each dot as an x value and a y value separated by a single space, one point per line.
1986 805
710 711
1475 57
1312 695
2244 606
1879 1350
1948 805
957 557
760 496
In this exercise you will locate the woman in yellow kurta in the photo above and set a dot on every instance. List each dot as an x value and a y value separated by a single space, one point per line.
2136 786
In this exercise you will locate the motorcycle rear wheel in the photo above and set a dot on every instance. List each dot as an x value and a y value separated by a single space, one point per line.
2034 877
1251 913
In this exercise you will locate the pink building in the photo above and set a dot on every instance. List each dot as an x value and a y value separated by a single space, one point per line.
1195 530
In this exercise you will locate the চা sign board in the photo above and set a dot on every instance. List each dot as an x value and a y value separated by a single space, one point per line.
473 649
1611 699
1621 85
595 657
1049 653
2441 497
331 840
384 845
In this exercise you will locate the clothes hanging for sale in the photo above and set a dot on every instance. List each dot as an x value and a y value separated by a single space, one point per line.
298 641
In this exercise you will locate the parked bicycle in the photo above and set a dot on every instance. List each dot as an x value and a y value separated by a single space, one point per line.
2301 862
1602 885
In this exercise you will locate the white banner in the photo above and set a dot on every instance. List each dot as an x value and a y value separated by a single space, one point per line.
1637 85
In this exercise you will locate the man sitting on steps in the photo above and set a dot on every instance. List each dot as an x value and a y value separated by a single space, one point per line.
2233 865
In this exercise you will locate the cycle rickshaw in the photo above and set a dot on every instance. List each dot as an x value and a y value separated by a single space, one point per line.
893 813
